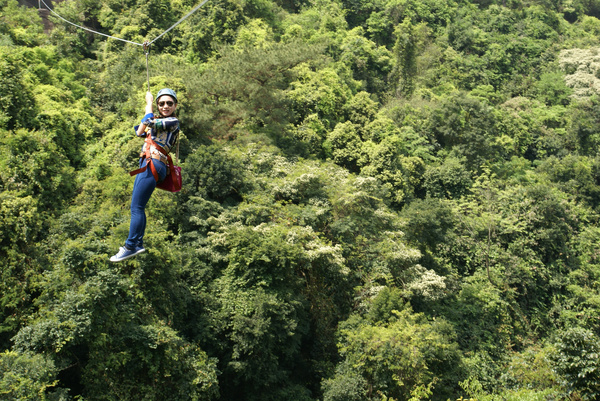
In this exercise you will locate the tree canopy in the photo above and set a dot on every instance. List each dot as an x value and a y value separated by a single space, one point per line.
382 200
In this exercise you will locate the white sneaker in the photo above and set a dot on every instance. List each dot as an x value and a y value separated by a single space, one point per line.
125 253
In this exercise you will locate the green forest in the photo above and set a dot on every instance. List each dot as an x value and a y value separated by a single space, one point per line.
383 200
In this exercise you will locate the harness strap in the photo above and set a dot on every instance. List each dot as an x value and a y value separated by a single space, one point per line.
148 155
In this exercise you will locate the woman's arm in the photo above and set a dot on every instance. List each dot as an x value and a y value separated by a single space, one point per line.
149 109
169 124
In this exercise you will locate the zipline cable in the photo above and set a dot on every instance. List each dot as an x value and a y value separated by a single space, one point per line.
146 44
87 29
180 21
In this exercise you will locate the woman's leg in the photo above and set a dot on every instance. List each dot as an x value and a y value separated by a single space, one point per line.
143 187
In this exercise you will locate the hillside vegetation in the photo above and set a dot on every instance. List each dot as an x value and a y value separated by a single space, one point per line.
382 200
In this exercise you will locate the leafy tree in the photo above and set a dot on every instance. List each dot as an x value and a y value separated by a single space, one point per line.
346 145
428 222
119 75
576 360
370 64
21 25
532 368
261 317
71 41
214 174
312 133
405 51
17 104
584 118
358 11
394 357
552 90
468 37
22 224
322 92
575 175
93 322
244 89
212 26
34 166
69 130
27 376
434 12
468 127
400 174
322 22
580 66
380 28
449 180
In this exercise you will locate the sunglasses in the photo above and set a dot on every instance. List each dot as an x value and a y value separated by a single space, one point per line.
168 103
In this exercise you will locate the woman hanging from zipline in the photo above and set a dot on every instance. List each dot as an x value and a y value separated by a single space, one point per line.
161 134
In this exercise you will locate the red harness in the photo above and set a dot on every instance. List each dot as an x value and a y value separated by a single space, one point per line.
148 155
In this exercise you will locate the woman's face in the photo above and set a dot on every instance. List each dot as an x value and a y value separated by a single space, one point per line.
166 105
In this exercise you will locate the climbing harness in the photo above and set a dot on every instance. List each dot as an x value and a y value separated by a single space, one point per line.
153 151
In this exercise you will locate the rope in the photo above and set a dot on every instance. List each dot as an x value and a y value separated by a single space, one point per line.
145 44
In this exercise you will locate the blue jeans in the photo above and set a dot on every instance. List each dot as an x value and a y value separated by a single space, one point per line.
142 190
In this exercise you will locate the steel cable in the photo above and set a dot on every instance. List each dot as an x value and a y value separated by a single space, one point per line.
125 40
88 29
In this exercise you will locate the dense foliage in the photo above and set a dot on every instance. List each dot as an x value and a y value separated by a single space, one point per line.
383 200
